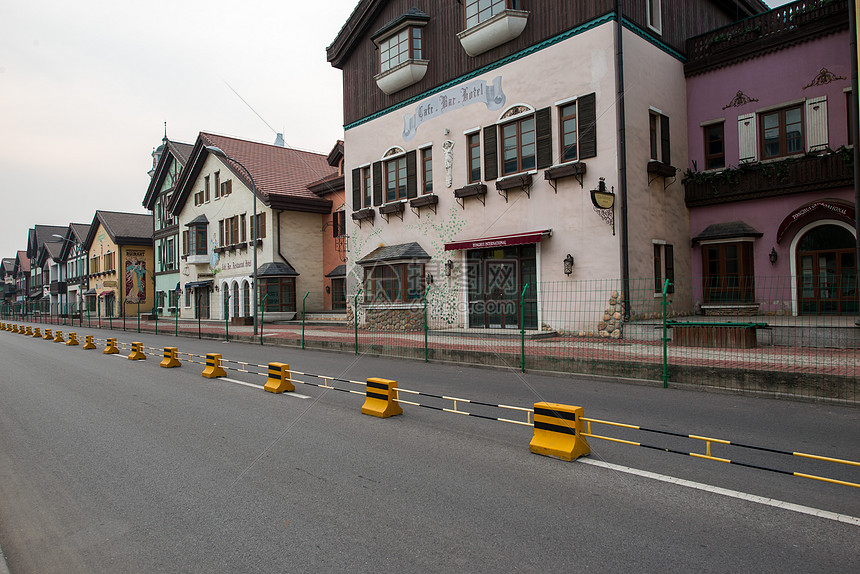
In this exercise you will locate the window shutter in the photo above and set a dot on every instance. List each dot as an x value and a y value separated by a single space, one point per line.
334 224
411 174
664 140
746 138
377 183
356 189
658 269
185 242
670 267
491 166
586 111
543 137
816 123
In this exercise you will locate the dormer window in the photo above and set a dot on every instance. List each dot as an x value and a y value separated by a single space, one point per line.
491 23
401 51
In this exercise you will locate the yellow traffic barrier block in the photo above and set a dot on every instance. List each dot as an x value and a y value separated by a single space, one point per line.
59 337
213 366
558 432
136 353
15 328
111 349
48 336
73 339
89 344
37 333
170 358
29 331
279 378
380 398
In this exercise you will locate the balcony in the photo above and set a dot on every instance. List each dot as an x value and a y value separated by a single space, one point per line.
758 180
780 27
58 287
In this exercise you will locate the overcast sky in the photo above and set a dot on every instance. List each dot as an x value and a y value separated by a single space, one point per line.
86 86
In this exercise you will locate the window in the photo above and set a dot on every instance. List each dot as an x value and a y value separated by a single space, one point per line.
728 272
198 198
171 253
652 131
782 133
109 261
217 184
94 265
664 267
400 47
206 189
567 122
187 297
185 242
226 187
391 283
221 233
655 20
478 11
518 146
281 293
658 133
243 233
395 179
715 146
196 239
474 157
366 188
427 170
338 220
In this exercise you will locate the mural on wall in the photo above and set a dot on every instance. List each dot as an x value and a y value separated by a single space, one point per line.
135 276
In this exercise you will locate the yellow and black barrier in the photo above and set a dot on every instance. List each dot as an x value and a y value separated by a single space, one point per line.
558 432
15 328
73 339
136 353
58 338
89 344
48 336
171 358
29 331
279 379
37 333
213 366
381 398
111 349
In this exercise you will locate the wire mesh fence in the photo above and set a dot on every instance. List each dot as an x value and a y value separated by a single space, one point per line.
775 335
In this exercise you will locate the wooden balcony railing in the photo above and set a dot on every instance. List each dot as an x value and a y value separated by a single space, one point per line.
787 24
793 175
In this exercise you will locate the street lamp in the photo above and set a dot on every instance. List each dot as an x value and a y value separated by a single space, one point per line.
216 151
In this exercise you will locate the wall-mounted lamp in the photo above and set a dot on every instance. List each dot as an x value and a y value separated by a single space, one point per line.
568 264
327 289
429 278
773 255
449 267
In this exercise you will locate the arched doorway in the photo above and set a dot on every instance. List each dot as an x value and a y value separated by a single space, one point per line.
827 271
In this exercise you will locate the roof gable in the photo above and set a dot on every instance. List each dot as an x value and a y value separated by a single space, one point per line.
175 151
281 175
122 228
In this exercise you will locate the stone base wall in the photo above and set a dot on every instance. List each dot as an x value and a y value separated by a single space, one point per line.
393 320
612 323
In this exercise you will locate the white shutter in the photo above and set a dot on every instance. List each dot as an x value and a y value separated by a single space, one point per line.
816 123
747 138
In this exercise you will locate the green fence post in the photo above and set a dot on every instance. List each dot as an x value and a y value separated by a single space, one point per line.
665 338
303 317
355 318
197 301
176 320
425 322
138 315
227 316
262 312
523 329
155 314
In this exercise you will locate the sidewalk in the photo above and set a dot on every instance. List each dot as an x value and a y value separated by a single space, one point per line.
819 372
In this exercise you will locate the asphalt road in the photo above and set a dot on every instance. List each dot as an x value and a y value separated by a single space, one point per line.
111 465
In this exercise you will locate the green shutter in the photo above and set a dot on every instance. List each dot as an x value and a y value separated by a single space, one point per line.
356 189
543 137
377 183
664 139
411 174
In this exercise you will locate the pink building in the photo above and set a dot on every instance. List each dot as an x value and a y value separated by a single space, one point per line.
770 180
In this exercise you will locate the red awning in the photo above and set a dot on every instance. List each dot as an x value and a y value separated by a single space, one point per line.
103 293
500 240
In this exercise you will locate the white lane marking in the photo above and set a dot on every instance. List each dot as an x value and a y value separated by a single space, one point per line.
297 395
844 518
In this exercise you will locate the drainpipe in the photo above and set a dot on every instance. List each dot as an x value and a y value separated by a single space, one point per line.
622 159
279 242
855 125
